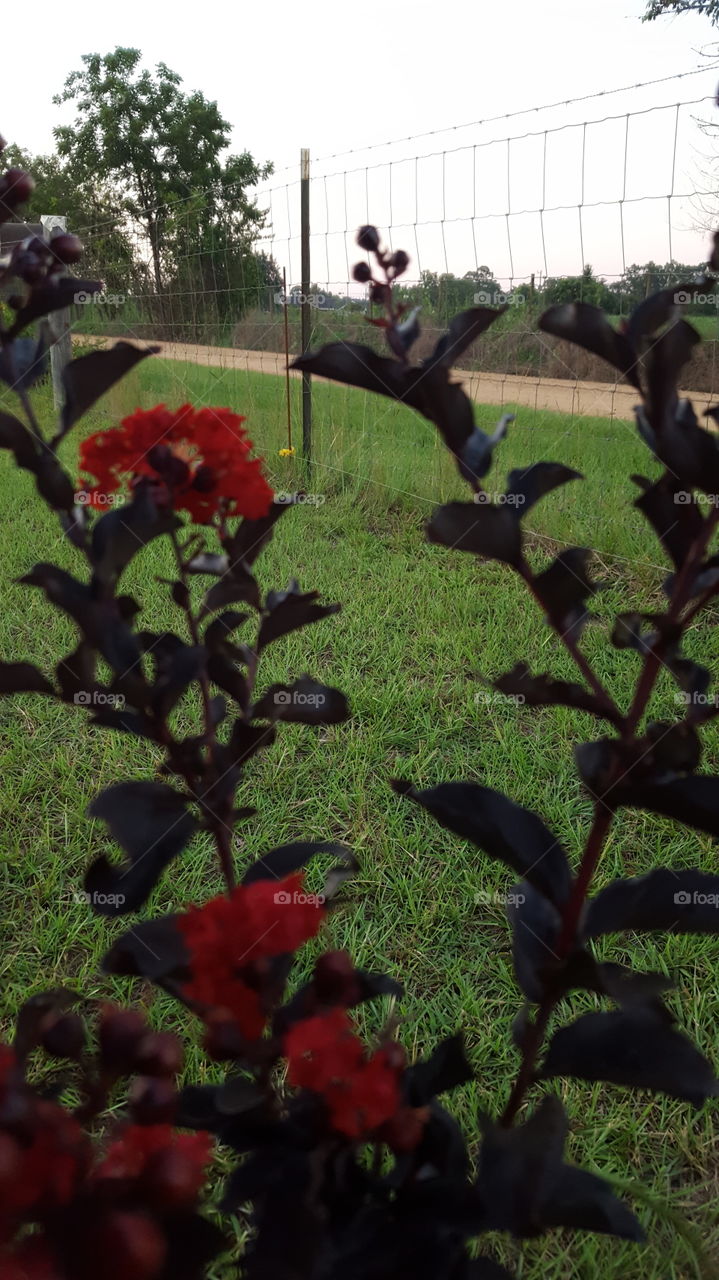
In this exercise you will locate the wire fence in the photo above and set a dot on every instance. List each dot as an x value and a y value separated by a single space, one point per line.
602 202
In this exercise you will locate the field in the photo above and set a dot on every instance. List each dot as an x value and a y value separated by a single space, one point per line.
419 628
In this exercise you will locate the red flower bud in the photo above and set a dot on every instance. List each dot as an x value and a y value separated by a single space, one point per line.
170 1180
404 1131
361 273
335 979
159 456
62 1035
380 293
16 187
120 1034
223 1040
368 239
159 1054
205 479
131 1246
66 248
153 1101
399 261
394 1055
10 1161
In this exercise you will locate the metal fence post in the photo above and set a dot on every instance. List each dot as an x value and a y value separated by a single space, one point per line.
58 322
306 316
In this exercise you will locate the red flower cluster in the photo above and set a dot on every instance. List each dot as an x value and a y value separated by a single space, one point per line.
362 1092
128 1202
230 938
197 459
171 1165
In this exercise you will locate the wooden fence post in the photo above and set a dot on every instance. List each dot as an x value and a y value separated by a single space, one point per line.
58 322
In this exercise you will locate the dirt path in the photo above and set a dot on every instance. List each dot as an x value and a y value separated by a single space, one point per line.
600 399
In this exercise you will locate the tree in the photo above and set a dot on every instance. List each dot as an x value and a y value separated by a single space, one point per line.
90 206
658 8
584 288
164 148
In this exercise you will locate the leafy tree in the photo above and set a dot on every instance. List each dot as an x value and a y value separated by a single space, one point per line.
658 8
90 204
165 148
584 288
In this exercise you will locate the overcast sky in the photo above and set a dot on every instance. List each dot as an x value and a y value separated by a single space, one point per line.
336 78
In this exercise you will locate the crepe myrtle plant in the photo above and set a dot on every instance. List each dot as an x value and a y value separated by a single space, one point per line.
342 1161
555 914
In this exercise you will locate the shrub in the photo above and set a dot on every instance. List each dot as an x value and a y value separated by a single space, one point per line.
349 1164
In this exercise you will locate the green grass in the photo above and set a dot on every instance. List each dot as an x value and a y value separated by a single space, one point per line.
419 626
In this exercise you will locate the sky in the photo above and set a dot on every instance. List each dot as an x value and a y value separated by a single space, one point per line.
340 79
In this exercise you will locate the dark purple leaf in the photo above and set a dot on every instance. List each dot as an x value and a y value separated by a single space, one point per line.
237 584
288 858
86 379
673 514
636 1048
582 1201
121 533
564 589
464 329
53 483
287 611
445 1069
536 925
175 672
152 824
484 529
663 364
587 326
23 677
228 677
252 536
306 701
693 800
527 485
152 949
501 829
54 295
665 900
544 690
519 1168
16 437
23 362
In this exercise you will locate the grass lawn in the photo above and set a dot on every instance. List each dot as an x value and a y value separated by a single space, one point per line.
419 626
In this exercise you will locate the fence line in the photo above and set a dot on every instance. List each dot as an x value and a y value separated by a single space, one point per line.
521 214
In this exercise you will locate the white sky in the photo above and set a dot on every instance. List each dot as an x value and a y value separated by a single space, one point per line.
334 77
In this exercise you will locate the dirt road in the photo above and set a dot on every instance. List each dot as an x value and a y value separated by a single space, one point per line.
600 399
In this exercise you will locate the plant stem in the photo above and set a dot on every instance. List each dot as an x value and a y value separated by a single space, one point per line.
220 828
603 813
575 653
